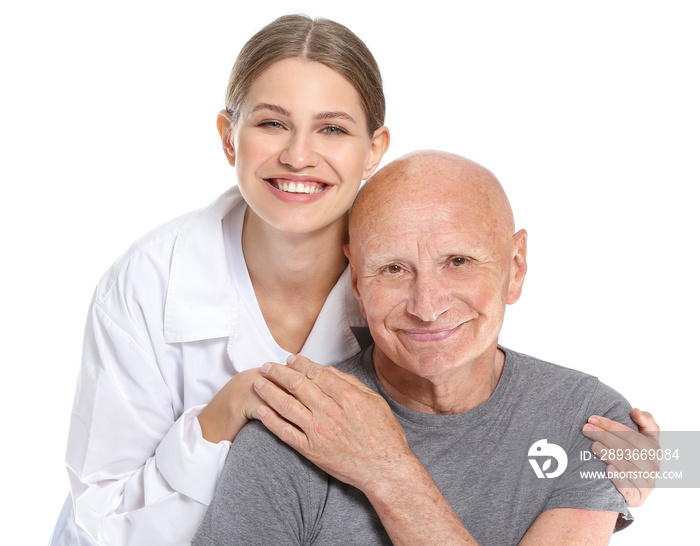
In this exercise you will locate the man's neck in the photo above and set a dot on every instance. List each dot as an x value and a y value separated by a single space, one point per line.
456 391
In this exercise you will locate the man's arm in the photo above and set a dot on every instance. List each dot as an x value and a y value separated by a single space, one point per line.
349 431
413 510
571 526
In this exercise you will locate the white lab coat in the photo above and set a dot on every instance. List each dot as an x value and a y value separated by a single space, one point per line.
170 323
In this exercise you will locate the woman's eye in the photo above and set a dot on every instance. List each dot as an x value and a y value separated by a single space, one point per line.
333 130
459 260
393 268
271 124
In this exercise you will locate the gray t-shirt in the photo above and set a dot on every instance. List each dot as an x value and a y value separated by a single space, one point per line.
480 459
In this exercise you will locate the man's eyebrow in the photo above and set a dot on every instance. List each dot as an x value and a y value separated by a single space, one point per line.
335 115
273 107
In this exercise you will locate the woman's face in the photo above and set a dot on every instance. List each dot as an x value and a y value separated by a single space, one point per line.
300 146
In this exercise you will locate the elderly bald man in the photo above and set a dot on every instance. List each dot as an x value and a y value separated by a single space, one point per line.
461 429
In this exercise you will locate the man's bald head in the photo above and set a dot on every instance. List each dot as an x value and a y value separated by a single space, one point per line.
432 179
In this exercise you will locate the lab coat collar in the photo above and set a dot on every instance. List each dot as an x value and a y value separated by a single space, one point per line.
200 296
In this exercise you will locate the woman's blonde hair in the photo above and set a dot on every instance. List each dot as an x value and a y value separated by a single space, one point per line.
318 40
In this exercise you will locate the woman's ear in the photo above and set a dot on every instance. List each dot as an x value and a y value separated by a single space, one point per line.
223 124
377 149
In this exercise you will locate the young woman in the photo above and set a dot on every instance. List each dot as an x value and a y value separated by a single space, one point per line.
180 324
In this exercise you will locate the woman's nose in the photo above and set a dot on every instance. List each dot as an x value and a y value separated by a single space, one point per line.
299 153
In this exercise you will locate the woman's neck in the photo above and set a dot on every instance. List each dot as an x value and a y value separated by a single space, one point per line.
292 274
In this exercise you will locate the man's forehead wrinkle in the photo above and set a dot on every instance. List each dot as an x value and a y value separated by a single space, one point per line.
433 227
423 224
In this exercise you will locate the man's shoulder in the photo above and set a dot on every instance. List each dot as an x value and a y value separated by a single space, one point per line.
255 444
254 438
256 451
262 475
558 387
539 370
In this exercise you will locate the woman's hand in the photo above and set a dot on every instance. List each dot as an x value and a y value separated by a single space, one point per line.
613 437
231 408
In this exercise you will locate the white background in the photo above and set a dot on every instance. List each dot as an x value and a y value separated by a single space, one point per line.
588 112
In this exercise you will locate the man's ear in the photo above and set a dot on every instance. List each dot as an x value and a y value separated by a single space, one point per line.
518 266
378 147
223 124
353 279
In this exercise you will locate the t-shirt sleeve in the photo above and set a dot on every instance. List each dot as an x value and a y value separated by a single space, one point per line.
267 494
584 484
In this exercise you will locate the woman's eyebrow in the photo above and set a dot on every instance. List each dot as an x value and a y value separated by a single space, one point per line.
272 107
320 116
335 115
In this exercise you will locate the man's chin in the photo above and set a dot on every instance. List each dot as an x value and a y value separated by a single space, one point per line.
427 364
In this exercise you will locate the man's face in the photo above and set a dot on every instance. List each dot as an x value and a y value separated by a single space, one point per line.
433 275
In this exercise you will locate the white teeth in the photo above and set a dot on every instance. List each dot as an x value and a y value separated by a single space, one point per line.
298 187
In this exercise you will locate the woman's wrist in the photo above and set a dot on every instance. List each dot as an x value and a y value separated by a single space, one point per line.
230 409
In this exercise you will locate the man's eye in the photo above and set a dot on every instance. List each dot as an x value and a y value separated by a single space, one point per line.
459 260
393 268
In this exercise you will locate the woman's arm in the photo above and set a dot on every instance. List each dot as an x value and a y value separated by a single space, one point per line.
612 436
135 464
137 459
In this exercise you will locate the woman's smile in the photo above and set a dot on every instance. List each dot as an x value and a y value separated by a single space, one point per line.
296 190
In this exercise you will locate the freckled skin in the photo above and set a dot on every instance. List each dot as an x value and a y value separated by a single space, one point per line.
437 266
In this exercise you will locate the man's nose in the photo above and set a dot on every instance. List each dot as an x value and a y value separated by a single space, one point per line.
299 152
429 297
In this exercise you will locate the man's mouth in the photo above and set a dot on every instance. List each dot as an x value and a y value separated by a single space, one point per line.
300 186
430 335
